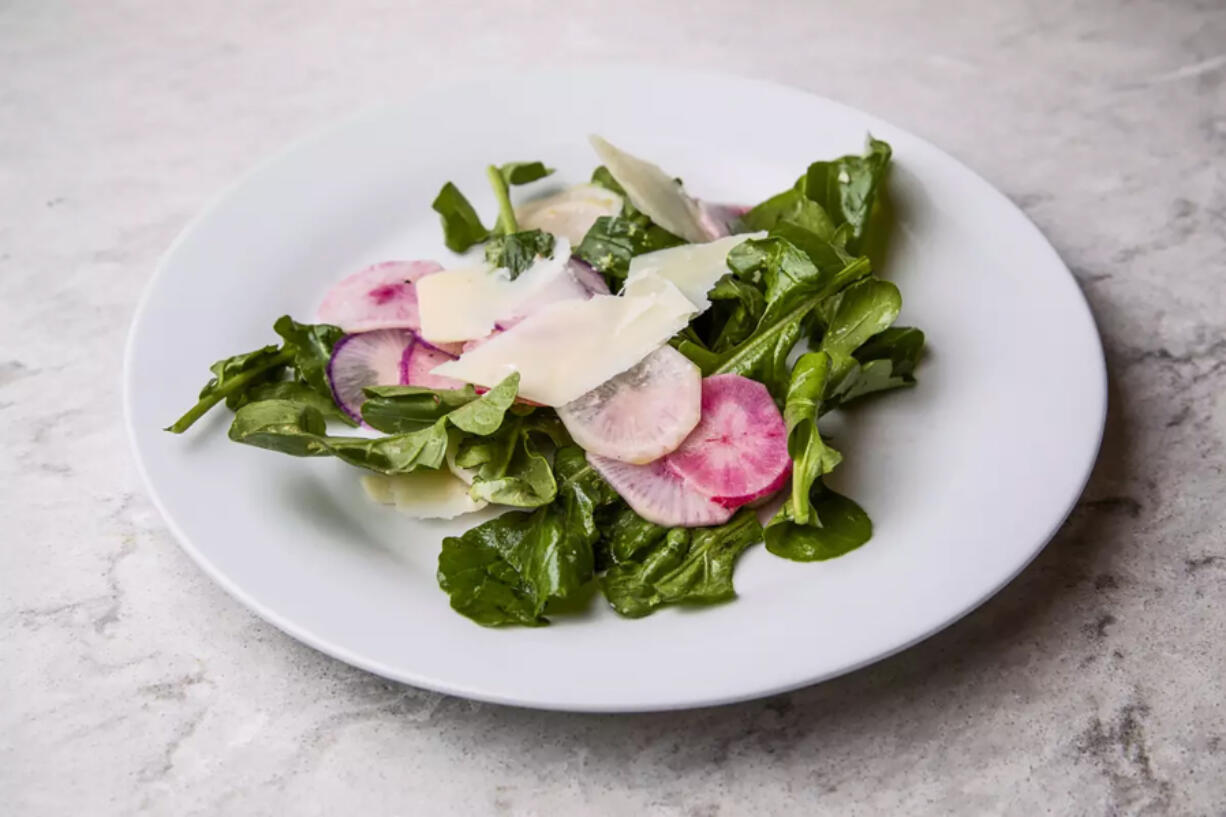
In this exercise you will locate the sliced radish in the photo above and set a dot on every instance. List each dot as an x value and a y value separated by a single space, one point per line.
738 452
383 296
588 278
719 220
643 413
416 363
366 359
658 494
570 213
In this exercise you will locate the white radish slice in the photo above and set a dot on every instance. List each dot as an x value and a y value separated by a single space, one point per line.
570 213
366 359
654 192
738 452
588 278
383 296
658 494
416 363
422 494
643 413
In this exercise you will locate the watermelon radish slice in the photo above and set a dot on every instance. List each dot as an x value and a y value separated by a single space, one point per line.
366 359
641 414
738 451
658 494
588 278
418 359
720 220
382 296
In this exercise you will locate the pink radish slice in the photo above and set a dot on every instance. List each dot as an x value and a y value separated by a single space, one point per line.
719 220
418 359
641 414
588 278
658 494
365 359
738 452
382 296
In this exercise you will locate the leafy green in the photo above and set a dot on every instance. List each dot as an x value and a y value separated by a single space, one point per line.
297 429
736 308
685 566
792 207
847 188
517 251
297 392
397 409
861 311
511 470
507 570
838 525
612 241
462 227
516 173
603 178
311 346
885 362
231 378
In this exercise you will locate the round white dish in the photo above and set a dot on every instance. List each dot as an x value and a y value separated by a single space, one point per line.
966 476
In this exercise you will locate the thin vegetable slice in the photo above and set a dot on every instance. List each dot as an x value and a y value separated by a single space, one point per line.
362 360
417 361
658 494
383 296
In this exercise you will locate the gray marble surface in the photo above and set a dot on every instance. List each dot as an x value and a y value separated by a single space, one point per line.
1095 684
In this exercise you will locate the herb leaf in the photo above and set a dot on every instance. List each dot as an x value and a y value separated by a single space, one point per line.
510 468
462 227
612 241
397 409
847 188
311 346
685 566
837 526
517 173
885 362
518 251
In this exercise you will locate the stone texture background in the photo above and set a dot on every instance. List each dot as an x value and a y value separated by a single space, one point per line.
1093 685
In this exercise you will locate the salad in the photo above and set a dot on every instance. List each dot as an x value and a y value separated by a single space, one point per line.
636 375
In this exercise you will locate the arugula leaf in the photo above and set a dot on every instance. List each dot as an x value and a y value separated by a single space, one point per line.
686 566
628 535
510 469
397 409
847 188
861 311
507 570
231 377
612 241
603 178
736 308
517 173
838 526
311 346
297 429
462 227
518 251
297 392
791 207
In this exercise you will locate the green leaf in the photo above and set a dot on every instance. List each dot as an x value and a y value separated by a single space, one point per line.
509 569
736 308
231 378
793 207
837 526
295 429
518 251
297 392
462 227
847 188
517 173
685 566
885 362
397 409
613 240
603 178
311 346
510 468
861 311
811 457
628 535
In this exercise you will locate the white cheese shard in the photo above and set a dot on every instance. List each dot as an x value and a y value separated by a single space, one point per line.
694 268
565 350
570 213
468 302
423 494
653 191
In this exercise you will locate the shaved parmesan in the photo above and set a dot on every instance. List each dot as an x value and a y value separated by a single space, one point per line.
694 268
467 302
567 349
570 213
654 192
422 494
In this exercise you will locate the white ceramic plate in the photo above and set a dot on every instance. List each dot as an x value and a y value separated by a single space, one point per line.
966 477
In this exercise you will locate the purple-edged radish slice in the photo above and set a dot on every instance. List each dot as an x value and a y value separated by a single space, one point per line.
659 495
738 452
366 359
383 296
588 278
719 220
641 414
416 363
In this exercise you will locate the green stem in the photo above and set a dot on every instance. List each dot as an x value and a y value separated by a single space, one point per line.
506 223
233 385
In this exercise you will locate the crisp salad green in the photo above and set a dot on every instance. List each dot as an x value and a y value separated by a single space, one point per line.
797 310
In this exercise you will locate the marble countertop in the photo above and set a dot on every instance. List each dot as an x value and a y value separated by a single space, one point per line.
1095 684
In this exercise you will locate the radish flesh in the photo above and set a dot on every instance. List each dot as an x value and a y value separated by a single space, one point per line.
720 220
383 296
738 451
641 414
659 494
418 359
588 278
366 359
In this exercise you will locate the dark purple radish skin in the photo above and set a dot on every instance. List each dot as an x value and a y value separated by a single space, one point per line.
588 277
738 452
720 220
362 360
659 495
417 362
382 296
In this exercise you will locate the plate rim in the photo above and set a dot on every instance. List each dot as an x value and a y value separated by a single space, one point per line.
425 681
